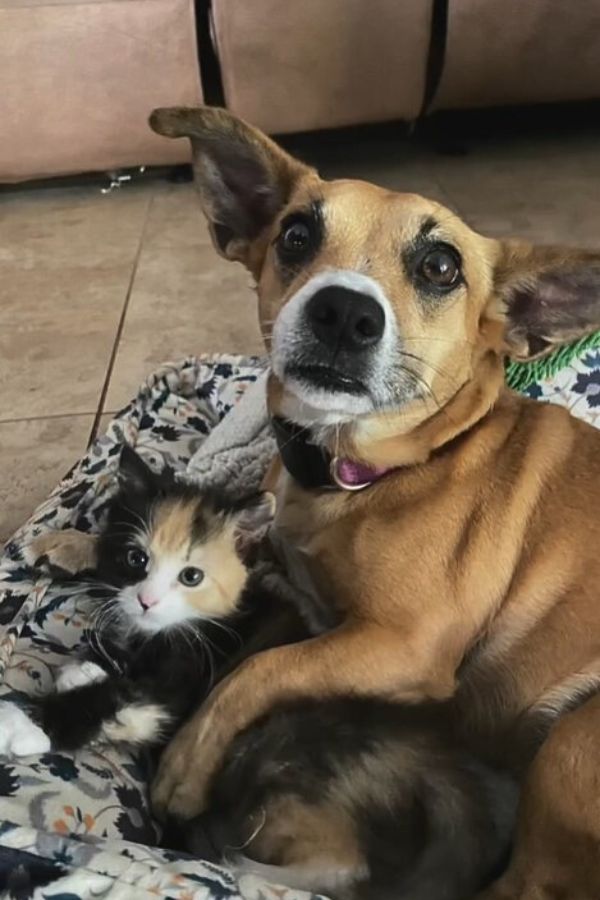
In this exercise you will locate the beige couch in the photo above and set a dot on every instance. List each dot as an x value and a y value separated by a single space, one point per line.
504 52
79 77
321 63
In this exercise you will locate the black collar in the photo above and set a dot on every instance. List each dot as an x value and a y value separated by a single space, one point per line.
307 463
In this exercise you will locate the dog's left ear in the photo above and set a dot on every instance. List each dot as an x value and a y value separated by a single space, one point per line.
547 296
243 177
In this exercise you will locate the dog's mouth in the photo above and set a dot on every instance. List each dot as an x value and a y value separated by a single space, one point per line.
326 378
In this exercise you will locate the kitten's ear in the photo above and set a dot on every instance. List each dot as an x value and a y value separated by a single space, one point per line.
134 475
254 520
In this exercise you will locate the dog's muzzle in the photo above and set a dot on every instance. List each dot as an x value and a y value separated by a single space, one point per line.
334 344
343 320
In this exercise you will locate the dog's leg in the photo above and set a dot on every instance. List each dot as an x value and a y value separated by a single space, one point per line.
368 658
557 848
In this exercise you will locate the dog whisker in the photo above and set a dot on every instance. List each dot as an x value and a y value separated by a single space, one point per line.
422 384
430 365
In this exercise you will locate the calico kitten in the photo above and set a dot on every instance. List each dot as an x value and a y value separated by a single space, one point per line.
172 606
356 798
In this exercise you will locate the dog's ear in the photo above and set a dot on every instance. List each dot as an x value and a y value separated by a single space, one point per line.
547 296
243 177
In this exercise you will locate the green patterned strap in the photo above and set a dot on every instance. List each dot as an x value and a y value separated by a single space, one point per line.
519 375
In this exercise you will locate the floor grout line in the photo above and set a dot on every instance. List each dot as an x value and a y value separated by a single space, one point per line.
66 415
120 326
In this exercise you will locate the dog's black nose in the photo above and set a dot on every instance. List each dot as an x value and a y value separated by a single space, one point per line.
344 319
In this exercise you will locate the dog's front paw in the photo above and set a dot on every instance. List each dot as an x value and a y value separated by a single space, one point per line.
180 788
70 550
19 736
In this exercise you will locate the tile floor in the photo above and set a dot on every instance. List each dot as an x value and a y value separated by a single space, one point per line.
98 289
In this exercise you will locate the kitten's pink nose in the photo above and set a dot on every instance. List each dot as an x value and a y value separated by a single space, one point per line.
147 600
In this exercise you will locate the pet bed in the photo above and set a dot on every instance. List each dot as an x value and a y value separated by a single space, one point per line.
78 826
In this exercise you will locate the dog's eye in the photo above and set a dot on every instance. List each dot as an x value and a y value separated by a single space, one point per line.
191 576
440 267
295 239
136 558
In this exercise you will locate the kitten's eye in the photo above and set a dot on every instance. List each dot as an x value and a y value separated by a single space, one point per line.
295 239
136 558
191 576
440 267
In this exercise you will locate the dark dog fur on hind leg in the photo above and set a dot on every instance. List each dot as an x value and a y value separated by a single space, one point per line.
359 800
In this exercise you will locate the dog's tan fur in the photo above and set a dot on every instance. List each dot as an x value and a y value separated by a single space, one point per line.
472 570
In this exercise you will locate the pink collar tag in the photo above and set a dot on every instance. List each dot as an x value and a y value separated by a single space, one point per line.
354 476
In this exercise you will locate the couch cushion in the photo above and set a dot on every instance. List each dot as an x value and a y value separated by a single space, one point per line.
298 66
520 52
79 80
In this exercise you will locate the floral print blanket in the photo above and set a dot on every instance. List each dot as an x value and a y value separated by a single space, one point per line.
73 827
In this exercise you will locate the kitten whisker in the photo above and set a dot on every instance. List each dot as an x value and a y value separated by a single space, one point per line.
188 631
136 515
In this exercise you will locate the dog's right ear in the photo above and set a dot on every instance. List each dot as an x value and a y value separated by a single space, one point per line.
243 177
549 296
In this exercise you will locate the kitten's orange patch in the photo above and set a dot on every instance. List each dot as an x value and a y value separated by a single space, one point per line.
174 534
227 571
172 527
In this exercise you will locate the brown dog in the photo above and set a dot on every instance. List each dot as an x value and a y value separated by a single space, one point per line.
469 565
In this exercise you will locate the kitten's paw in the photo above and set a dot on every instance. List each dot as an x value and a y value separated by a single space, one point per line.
70 550
19 736
78 674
